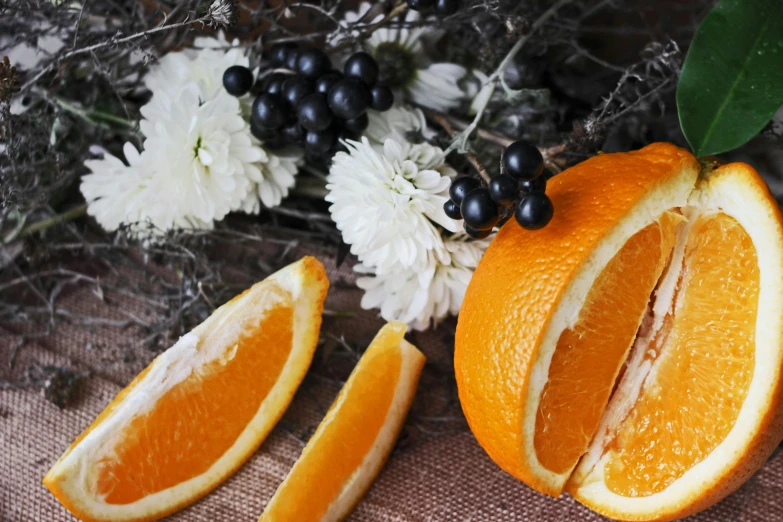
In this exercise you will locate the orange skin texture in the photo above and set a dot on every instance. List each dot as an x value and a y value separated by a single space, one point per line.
770 430
315 273
520 280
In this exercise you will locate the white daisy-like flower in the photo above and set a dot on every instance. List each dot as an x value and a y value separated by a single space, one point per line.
386 201
118 194
202 151
273 178
399 120
421 297
433 85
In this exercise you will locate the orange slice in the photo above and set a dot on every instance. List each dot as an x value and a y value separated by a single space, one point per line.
630 352
352 443
201 408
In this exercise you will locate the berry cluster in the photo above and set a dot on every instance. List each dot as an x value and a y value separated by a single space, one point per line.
520 184
308 103
442 7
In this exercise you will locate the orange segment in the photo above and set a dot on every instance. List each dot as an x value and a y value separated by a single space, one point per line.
197 412
589 355
353 441
705 369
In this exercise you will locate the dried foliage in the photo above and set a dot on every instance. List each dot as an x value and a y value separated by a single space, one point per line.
597 74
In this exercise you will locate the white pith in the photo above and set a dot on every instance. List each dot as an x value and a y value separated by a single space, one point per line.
731 194
364 475
75 472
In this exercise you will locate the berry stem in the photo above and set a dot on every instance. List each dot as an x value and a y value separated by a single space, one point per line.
460 143
75 212
444 122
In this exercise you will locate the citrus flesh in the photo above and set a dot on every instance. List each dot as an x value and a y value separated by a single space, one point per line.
633 357
355 437
201 408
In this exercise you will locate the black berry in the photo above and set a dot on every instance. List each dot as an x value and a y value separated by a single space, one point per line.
522 160
477 234
262 133
291 58
420 5
312 63
314 114
536 185
349 98
461 186
382 98
446 7
357 124
325 82
275 142
295 88
294 133
534 211
452 210
237 80
274 83
269 110
320 142
346 134
278 55
478 209
503 189
363 67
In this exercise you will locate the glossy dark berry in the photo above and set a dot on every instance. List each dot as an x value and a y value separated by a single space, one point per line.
262 133
349 98
273 84
536 185
278 55
461 186
358 124
503 189
363 67
522 160
479 210
382 98
275 142
294 133
534 211
346 134
452 210
312 63
237 80
446 7
420 5
313 113
269 110
291 59
477 234
295 88
320 142
325 82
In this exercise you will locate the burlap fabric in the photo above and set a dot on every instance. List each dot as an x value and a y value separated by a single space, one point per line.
437 473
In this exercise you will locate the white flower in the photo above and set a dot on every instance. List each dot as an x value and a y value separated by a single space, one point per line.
118 194
274 176
386 201
433 85
399 120
202 152
419 297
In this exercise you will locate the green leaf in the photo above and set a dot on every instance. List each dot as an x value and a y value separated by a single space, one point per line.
732 79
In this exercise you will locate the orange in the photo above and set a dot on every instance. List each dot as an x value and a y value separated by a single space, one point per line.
201 408
630 352
353 441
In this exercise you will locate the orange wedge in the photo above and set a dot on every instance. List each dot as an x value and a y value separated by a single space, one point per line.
352 443
631 351
201 408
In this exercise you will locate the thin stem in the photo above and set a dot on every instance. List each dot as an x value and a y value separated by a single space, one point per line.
441 120
38 226
398 9
460 142
88 116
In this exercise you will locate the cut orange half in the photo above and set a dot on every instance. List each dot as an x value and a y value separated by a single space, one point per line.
350 446
630 352
201 408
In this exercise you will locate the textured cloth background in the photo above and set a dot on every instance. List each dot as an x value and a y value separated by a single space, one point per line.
437 473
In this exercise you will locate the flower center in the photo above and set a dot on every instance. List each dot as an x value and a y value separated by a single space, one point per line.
396 64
